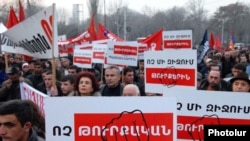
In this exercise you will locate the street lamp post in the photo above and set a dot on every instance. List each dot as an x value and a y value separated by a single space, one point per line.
222 32
104 13
117 22
125 24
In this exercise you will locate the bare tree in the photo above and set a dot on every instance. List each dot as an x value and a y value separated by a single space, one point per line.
148 11
232 18
175 18
115 18
32 7
4 11
197 17
93 6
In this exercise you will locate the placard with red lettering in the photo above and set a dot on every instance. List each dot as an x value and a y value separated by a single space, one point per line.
141 49
107 65
170 69
35 36
111 119
83 58
177 39
84 47
122 53
99 51
197 107
29 93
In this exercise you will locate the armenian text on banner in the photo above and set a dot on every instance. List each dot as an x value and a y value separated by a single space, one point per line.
141 49
83 58
99 51
117 120
29 93
122 53
34 36
170 69
196 108
177 39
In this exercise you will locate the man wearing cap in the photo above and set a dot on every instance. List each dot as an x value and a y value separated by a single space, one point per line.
11 88
240 83
204 70
25 70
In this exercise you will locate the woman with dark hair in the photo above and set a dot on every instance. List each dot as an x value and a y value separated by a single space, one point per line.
86 84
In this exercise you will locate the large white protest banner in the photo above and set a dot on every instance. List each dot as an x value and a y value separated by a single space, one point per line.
3 28
170 69
197 108
29 93
110 118
35 36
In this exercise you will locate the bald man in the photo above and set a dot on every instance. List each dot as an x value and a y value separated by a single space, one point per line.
131 90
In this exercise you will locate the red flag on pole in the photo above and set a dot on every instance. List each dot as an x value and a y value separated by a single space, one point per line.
154 41
232 41
211 41
12 18
92 29
21 12
218 43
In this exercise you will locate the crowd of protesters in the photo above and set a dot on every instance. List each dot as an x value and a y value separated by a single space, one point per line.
218 71
228 71
71 80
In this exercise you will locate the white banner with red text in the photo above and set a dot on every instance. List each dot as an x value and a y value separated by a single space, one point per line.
177 39
36 36
170 69
29 93
122 53
196 108
110 118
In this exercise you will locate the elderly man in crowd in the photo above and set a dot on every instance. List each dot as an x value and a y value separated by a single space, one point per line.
131 90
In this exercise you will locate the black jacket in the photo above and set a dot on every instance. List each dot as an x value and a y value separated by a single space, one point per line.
34 137
223 86
41 87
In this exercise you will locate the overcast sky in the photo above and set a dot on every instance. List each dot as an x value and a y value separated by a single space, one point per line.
138 5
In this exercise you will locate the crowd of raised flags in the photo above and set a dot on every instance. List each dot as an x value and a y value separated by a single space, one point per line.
212 42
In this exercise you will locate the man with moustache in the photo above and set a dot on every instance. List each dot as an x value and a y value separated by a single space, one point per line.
213 82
